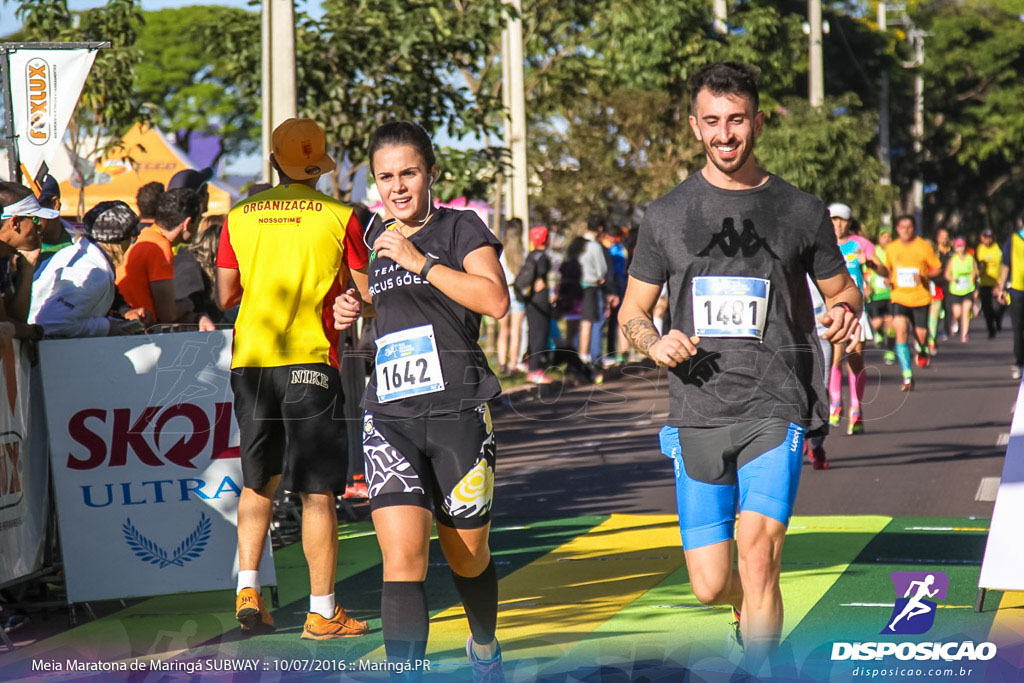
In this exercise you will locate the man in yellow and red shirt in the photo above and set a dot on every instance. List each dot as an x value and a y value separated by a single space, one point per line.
1009 291
911 263
284 255
990 263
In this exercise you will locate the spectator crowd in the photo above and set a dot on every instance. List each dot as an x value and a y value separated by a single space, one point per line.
116 272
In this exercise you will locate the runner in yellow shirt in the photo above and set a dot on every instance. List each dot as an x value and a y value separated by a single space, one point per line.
990 262
912 262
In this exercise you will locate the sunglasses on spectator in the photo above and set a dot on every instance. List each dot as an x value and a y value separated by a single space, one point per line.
36 220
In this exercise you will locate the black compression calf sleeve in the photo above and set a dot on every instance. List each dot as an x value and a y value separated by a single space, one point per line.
404 619
479 596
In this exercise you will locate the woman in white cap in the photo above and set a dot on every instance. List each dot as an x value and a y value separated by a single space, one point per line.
72 296
858 258
21 217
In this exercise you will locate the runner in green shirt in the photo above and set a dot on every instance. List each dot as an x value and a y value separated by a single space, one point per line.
962 276
879 311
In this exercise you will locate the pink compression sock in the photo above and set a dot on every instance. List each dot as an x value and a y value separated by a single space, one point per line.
835 385
857 382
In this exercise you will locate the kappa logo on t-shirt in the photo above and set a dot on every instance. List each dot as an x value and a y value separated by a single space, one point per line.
747 244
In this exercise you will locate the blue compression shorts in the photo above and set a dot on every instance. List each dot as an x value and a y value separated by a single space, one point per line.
756 464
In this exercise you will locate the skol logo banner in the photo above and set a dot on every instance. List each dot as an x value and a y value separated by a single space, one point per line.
146 466
45 85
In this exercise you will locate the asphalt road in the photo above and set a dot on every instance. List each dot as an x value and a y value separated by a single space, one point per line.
594 449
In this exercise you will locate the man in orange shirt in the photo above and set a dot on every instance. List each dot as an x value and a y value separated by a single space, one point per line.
911 263
146 278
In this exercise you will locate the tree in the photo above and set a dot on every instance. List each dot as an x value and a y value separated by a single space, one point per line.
189 86
360 65
828 153
467 173
974 58
611 100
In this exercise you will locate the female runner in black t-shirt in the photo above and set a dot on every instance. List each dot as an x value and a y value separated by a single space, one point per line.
427 439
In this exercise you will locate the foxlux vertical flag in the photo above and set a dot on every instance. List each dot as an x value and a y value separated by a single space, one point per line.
45 86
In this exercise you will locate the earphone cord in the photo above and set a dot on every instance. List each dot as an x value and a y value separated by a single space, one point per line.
366 231
430 205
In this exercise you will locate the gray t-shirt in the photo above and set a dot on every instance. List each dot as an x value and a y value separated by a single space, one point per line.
595 268
774 232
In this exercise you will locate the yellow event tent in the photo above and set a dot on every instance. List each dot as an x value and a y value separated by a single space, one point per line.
145 156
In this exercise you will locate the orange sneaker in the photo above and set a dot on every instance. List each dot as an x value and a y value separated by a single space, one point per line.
341 625
251 613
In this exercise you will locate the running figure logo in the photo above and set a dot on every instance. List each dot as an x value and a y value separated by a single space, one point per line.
914 612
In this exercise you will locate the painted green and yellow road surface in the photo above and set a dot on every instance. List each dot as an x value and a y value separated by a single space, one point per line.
591 598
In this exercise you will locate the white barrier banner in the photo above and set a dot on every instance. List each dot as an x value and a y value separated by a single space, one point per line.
45 85
144 450
1002 565
24 491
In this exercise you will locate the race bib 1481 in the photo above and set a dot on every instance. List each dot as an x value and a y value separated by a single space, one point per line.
729 306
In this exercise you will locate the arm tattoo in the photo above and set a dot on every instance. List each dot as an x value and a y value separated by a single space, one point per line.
642 333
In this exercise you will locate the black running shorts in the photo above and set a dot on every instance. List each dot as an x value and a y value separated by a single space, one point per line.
591 307
878 308
443 463
918 315
292 424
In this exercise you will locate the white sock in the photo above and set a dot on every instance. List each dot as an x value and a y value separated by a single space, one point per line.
322 605
248 578
585 357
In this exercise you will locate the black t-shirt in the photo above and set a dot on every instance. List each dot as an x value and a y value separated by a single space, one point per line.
541 269
940 279
403 301
774 232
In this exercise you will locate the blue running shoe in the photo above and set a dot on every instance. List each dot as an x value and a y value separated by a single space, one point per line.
485 671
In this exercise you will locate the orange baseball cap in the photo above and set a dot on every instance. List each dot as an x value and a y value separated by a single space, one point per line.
300 149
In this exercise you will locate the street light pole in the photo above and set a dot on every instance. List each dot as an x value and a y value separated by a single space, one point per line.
918 132
721 10
505 205
279 96
265 86
816 85
884 144
516 131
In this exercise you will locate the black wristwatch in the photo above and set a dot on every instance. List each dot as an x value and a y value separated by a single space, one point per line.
430 263
845 305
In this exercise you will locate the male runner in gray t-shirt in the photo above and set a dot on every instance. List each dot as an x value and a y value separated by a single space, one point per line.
735 244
